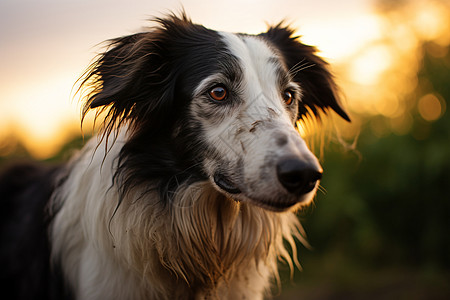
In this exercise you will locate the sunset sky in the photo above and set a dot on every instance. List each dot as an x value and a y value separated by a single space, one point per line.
46 45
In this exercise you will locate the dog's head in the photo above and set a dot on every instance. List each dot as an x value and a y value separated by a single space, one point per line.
223 107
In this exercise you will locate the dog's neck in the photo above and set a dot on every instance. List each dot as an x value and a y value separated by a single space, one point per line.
207 237
199 241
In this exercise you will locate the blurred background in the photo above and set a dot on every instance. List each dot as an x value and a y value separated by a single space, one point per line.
380 227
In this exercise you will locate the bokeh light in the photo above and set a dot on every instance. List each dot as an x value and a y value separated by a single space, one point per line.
430 107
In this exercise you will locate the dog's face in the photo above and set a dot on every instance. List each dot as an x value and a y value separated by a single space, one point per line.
248 120
224 106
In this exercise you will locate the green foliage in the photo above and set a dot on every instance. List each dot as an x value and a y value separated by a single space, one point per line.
390 205
69 149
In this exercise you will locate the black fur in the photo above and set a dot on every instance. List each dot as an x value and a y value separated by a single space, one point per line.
26 272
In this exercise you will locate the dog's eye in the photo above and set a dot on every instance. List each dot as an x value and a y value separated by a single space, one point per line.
288 97
218 93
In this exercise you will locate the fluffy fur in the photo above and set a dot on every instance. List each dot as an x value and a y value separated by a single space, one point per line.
190 188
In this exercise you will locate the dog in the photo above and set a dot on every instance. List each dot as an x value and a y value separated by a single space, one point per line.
189 189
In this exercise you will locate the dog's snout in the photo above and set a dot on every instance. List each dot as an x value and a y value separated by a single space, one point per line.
298 176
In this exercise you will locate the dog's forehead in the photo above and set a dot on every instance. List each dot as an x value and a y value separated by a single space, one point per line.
253 52
248 47
261 66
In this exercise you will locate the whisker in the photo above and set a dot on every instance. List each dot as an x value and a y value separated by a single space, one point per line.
322 189
300 66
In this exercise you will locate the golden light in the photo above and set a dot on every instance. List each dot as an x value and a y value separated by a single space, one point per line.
367 68
430 107
42 115
382 75
301 127
402 124
431 20
339 41
388 106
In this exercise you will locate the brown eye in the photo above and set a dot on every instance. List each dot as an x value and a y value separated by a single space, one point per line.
288 97
218 93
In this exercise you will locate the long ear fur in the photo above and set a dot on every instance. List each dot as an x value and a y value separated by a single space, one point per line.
309 70
134 81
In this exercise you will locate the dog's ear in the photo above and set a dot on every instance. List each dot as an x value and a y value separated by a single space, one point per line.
117 71
308 70
134 80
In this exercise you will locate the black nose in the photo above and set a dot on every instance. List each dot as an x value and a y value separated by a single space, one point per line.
298 176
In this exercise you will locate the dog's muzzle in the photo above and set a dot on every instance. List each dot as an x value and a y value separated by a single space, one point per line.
277 171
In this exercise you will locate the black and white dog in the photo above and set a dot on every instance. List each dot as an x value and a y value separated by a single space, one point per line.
188 191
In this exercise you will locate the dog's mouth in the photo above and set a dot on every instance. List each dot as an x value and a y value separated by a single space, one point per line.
225 184
228 186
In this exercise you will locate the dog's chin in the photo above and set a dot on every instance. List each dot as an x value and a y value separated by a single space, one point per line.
276 204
